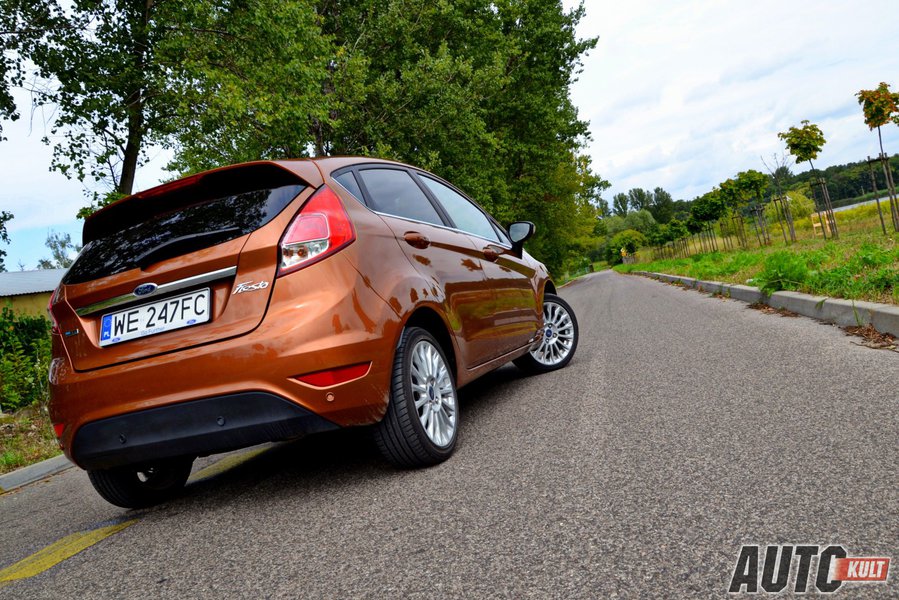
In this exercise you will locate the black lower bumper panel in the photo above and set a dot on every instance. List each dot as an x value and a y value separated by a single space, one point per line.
197 428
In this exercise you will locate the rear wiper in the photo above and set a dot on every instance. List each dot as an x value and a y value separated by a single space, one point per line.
184 244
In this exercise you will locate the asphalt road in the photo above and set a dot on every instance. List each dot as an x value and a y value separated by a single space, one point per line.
685 427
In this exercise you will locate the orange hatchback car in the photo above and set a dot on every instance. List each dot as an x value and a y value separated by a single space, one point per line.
270 300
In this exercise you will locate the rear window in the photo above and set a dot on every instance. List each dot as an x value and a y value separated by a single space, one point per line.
174 233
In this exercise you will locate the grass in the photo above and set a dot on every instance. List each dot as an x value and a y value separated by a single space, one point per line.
26 437
862 265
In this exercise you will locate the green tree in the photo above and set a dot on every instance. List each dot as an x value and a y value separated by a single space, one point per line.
730 193
256 80
662 206
640 220
781 176
21 23
709 207
619 204
613 224
639 199
678 229
801 206
602 208
122 76
804 142
658 235
681 209
880 106
94 64
4 237
62 251
477 92
752 184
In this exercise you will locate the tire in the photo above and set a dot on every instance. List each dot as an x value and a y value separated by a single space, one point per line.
421 425
141 486
560 337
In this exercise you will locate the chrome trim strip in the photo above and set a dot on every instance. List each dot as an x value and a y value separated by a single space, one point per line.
164 288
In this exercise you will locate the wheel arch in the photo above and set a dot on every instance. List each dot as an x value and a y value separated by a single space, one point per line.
430 320
549 287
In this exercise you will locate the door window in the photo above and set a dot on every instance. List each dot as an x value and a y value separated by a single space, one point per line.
394 192
464 214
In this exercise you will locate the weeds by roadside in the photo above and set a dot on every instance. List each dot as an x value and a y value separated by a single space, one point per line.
26 437
783 312
871 338
859 267
26 434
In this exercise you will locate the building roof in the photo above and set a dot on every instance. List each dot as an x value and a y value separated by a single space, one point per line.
17 283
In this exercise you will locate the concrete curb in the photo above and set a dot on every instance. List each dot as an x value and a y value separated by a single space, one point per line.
33 473
884 317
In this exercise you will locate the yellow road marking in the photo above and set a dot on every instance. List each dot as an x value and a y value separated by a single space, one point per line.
229 462
59 551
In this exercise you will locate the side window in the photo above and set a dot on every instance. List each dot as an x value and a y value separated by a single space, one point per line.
464 214
394 192
348 180
503 236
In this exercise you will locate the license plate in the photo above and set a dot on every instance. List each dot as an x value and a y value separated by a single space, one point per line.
155 317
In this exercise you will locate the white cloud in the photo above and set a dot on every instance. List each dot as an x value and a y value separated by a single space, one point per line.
684 95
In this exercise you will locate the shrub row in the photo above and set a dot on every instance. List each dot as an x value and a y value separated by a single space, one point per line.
24 359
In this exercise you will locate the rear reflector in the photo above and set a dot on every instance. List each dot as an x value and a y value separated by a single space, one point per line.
320 229
334 376
58 428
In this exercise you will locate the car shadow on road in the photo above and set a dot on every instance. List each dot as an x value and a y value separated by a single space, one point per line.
342 458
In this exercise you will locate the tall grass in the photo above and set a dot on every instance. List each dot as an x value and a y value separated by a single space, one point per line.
862 264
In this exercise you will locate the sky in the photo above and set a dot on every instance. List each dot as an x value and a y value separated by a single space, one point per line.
685 94
680 95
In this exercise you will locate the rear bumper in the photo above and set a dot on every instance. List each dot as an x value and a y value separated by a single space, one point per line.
197 427
330 322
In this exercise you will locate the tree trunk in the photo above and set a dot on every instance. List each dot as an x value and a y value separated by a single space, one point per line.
135 106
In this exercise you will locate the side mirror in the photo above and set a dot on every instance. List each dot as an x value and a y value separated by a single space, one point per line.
519 233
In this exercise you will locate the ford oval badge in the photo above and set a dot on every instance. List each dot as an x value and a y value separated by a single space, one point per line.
145 289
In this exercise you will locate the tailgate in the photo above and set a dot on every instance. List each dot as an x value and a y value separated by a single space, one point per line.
193 262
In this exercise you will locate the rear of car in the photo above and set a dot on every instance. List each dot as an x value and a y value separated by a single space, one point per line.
214 313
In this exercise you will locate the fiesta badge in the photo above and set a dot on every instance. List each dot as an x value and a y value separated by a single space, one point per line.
145 289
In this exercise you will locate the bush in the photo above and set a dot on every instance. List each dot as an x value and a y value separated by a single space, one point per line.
628 239
24 359
801 206
783 270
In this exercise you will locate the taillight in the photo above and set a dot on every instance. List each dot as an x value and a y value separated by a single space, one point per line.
320 229
54 298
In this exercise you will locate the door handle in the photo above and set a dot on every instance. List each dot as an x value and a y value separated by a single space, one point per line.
417 240
490 253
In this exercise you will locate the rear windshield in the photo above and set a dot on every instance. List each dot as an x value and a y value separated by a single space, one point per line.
179 232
